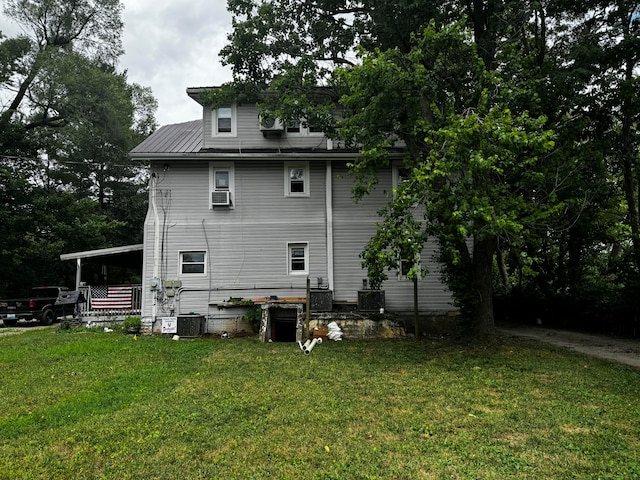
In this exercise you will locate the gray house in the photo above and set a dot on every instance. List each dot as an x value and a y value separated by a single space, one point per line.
243 211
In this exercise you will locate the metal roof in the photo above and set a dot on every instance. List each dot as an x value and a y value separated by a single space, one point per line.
126 256
177 138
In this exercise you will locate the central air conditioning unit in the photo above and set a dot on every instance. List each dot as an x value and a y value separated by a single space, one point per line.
274 125
190 325
221 198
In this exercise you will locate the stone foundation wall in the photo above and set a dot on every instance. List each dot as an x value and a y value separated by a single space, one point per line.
361 326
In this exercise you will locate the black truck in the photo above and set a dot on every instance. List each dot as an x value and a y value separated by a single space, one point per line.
46 305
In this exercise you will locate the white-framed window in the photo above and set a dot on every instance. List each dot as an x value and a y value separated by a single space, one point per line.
298 258
302 128
405 264
400 174
315 131
224 121
293 128
193 262
222 184
296 179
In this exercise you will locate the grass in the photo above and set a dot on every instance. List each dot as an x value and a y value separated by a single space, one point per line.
90 404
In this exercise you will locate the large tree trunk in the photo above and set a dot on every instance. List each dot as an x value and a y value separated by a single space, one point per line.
483 324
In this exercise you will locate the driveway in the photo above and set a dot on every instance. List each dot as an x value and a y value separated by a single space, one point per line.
621 350
22 326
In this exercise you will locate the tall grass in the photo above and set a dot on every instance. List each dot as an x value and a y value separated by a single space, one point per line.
96 405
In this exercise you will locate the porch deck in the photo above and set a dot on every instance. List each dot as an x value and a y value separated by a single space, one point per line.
110 302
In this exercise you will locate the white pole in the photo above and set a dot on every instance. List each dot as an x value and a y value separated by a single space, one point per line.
78 272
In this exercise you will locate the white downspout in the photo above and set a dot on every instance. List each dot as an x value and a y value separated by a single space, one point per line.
156 244
329 214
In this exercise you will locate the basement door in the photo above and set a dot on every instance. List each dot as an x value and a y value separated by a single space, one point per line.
283 323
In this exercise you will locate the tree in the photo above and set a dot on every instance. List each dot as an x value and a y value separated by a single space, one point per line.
473 166
64 137
419 79
90 27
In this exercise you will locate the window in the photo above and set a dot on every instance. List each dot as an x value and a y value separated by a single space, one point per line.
406 263
221 179
296 179
315 130
298 258
293 127
224 121
405 266
302 128
192 263
400 174
221 185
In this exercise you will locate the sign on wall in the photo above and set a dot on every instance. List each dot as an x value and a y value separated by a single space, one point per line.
169 324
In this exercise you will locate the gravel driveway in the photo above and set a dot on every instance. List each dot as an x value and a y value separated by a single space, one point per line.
621 350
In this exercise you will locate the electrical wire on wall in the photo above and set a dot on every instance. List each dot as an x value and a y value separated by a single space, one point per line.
165 205
209 262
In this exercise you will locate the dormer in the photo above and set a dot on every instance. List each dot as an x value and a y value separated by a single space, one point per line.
239 126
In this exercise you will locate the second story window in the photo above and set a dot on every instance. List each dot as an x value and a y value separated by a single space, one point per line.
221 185
223 119
221 180
293 127
296 178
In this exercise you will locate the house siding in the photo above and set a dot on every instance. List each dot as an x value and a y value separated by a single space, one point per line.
354 224
248 134
246 245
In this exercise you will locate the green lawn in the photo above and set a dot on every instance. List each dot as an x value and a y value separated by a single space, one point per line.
89 404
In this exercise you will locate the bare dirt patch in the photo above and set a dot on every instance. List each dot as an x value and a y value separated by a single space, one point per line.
22 327
621 350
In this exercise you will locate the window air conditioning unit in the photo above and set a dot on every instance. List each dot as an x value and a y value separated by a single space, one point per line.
221 198
274 125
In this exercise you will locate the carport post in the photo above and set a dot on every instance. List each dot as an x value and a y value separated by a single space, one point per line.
78 272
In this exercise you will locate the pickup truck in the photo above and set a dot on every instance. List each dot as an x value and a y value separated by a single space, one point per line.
46 304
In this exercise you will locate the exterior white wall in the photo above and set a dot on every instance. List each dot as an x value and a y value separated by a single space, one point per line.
354 224
246 246
247 254
248 134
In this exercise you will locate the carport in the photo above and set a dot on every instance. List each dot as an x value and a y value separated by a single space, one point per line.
124 256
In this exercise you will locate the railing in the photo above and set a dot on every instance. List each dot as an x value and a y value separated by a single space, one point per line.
91 292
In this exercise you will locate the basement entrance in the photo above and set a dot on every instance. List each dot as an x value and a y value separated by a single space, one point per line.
282 322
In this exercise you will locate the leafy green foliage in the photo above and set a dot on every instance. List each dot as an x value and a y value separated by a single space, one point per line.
473 168
253 314
395 74
64 138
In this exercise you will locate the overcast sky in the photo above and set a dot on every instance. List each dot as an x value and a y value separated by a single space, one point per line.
170 45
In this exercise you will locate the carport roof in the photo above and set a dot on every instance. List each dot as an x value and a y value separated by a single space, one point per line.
126 255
